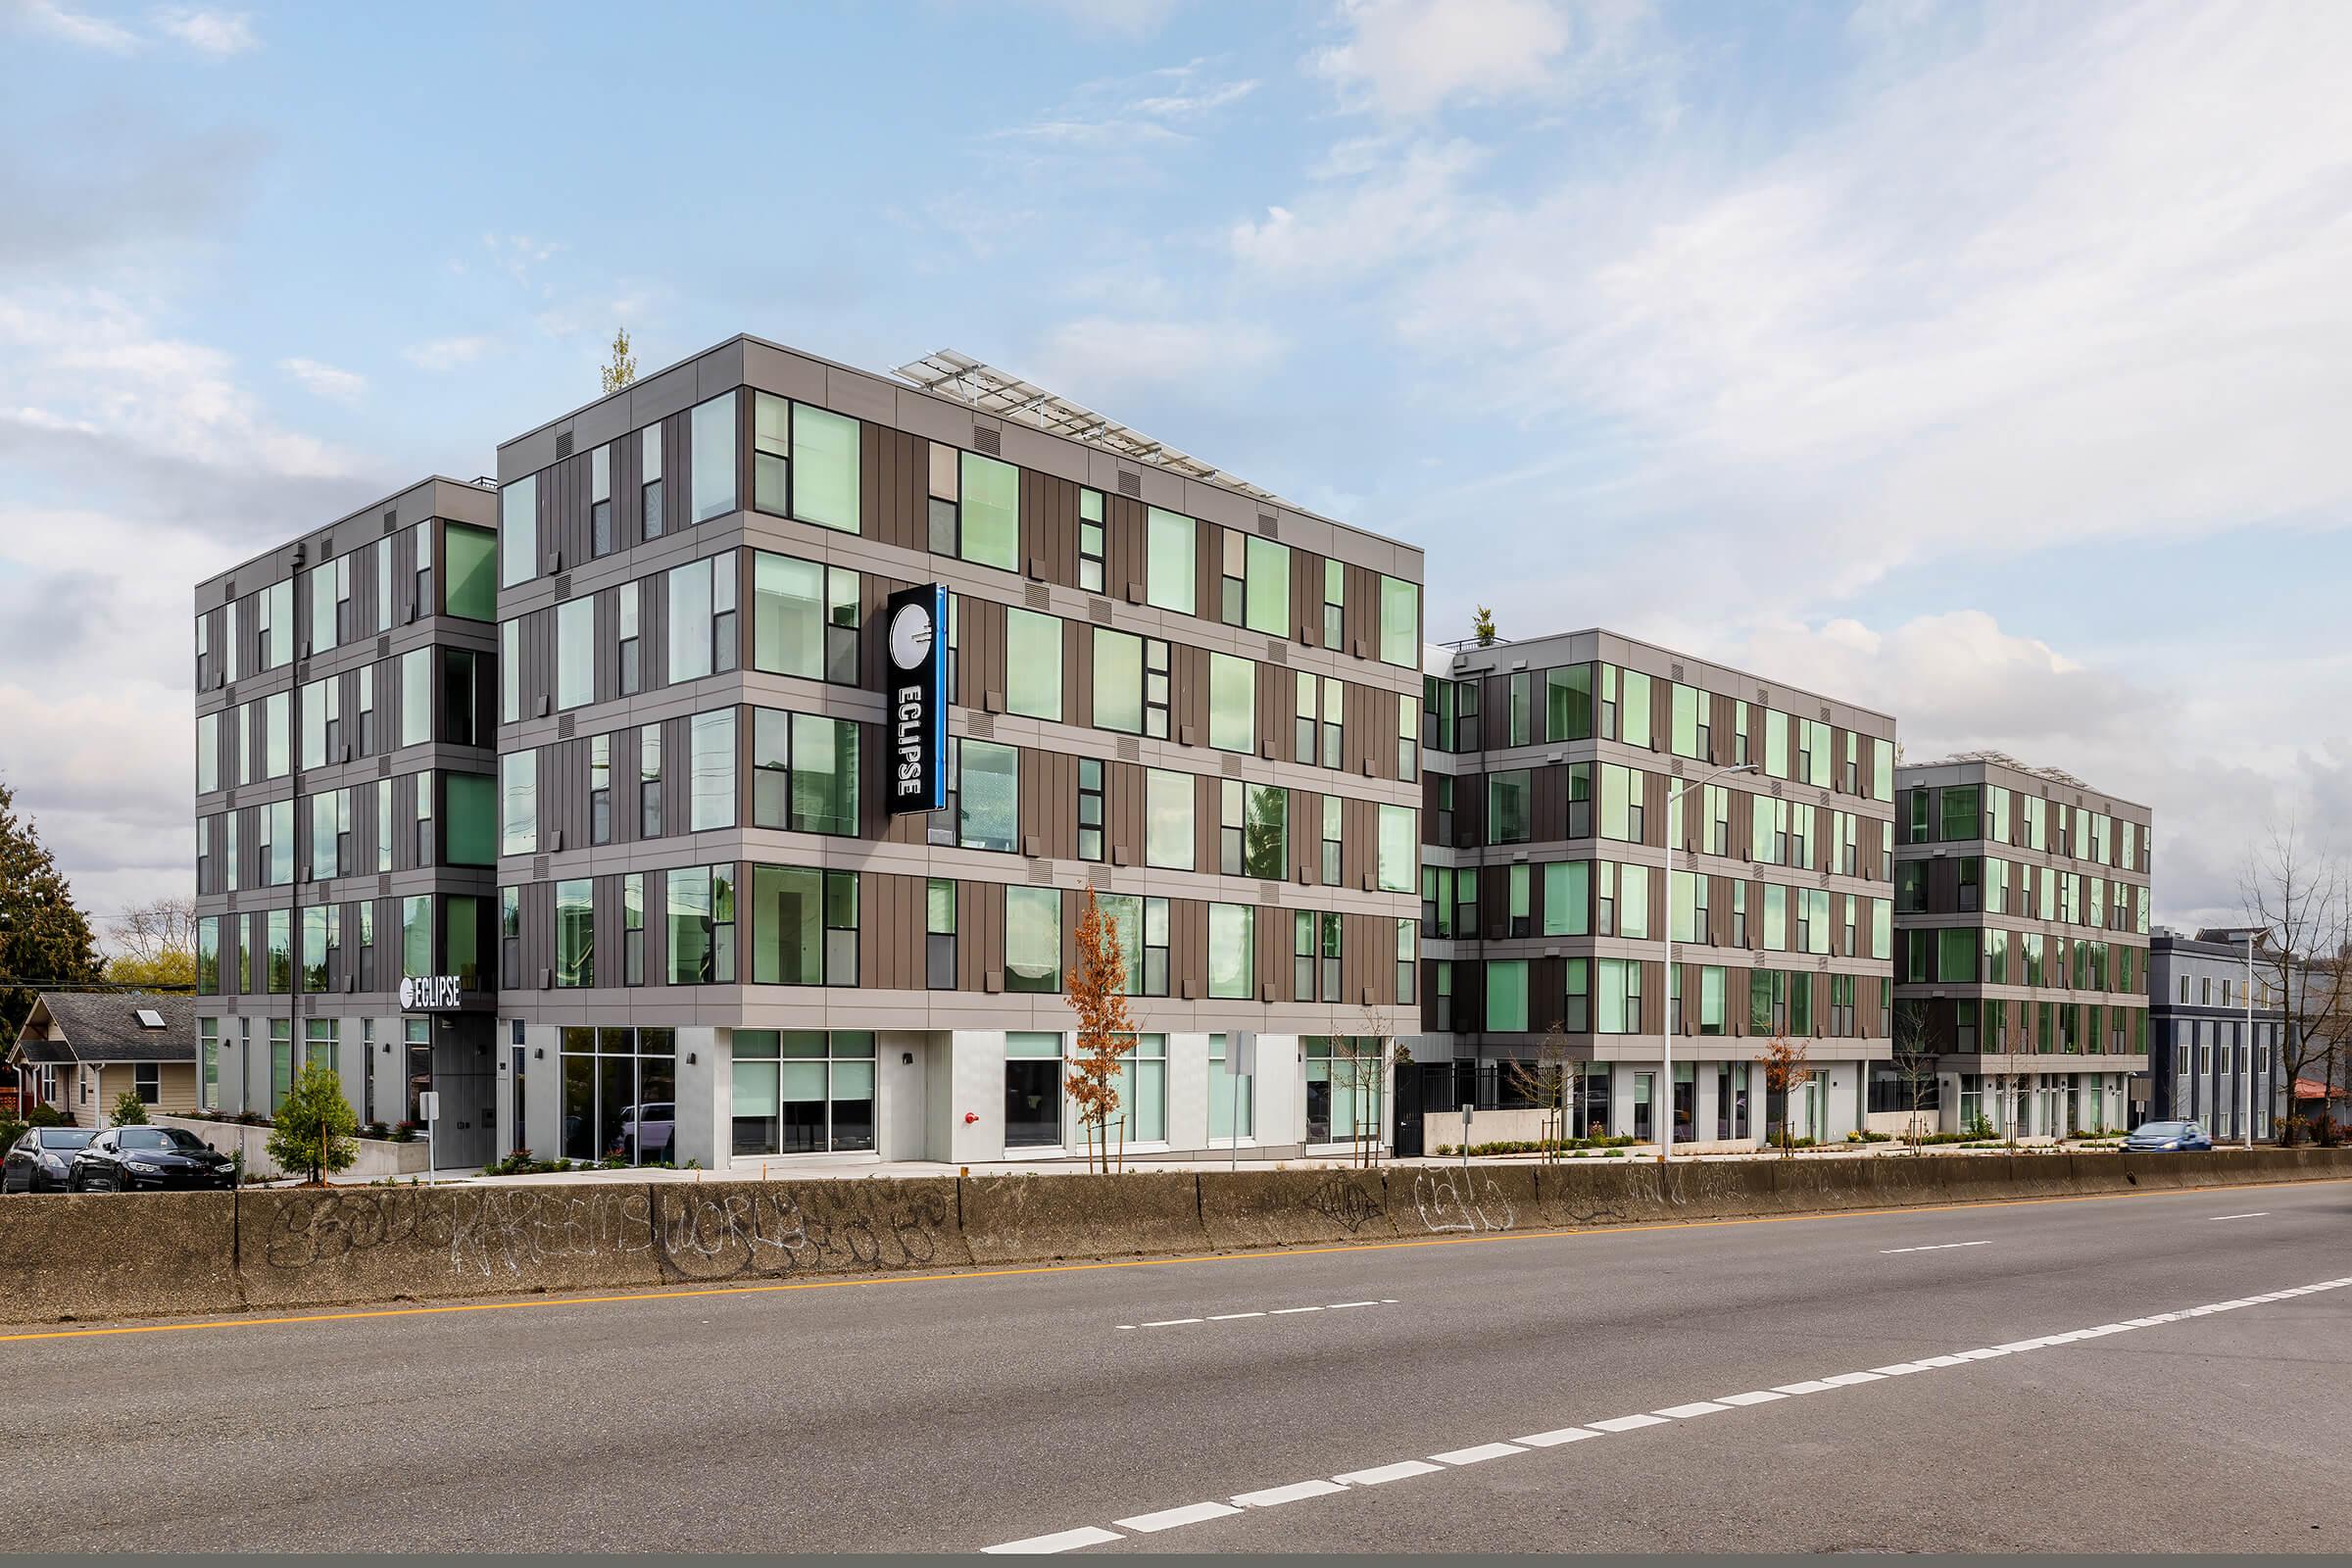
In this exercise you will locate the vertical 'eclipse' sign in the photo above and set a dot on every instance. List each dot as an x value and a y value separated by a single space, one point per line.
914 635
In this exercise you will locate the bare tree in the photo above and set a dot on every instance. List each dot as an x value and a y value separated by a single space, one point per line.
2296 898
1551 1081
1096 992
1914 1065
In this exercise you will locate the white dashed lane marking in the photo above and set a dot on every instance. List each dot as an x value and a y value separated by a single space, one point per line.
2260 1214
1234 1317
1144 1524
1938 1247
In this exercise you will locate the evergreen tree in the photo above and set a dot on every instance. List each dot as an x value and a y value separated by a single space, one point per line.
43 938
314 1133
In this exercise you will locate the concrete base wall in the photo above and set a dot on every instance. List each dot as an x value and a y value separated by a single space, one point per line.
102 1256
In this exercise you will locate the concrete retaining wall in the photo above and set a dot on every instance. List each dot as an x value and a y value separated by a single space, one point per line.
108 1255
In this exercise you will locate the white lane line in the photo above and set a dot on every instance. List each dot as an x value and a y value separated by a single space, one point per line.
1060 1541
1382 1474
1627 1423
1940 1246
1192 1514
1285 1311
1232 1317
1338 1305
1478 1454
1227 1317
1556 1437
1274 1497
2260 1214
1295 1492
1171 1322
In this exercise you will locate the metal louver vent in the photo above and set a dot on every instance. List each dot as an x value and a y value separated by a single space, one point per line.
1040 872
1265 523
384 882
1269 893
981 726
1277 651
391 522
563 586
563 445
989 441
1825 712
1129 750
538 866
1131 484
1034 595
1678 672
1233 768
383 644
564 727
383 767
1099 611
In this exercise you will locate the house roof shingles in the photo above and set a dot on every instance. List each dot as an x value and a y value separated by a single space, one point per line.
104 1026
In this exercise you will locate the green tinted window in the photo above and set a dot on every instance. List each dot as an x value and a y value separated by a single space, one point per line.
1171 563
1033 663
824 467
1232 704
469 571
1267 599
1506 994
1399 622
1568 702
992 512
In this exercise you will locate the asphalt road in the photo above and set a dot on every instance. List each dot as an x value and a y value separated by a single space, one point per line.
1087 1404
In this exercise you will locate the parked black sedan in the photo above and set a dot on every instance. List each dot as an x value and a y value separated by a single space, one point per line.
37 1161
128 1159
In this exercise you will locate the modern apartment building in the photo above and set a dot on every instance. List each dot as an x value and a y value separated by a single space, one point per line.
825 700
1591 797
2022 942
2201 1062
347 814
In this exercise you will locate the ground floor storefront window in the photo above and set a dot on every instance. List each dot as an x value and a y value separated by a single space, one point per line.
619 1095
1344 1074
1731 1102
1032 1091
803 1090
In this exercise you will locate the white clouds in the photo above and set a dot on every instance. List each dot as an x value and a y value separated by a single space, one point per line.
446 353
215 34
1410 57
1159 110
1406 203
324 380
219 34
72 26
1096 354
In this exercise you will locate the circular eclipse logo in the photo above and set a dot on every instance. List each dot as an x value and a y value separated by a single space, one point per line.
911 636
408 994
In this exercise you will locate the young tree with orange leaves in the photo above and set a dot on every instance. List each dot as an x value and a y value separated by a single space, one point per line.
1785 1069
1096 992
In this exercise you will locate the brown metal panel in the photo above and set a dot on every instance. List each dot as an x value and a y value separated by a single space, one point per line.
1188 946
1306 598
1306 837
1123 814
1360 617
894 488
1048 804
1208 570
1207 803
1188 679
979 649
1048 528
1123 537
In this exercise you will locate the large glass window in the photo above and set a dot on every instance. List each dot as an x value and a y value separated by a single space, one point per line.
575 933
471 836
1397 852
711 763
804 772
991 511
1506 994
1168 834
701 617
804 926
1231 703
702 924
1032 1091
803 1091
1568 702
1118 681
518 791
417 937
575 653
1511 796
1171 560
1344 1080
713 476
1619 1008
1033 663
619 1095
1032 938
1399 622
468 585
805 618
416 697
985 781
1268 600
518 534
1232 950
1567 897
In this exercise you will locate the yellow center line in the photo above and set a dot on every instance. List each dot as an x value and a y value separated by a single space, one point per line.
451 1308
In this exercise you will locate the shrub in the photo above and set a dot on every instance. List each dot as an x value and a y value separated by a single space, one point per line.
129 1109
11 1130
403 1132
1979 1125
45 1116
523 1163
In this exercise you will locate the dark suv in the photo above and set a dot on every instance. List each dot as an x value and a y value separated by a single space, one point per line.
37 1161
128 1159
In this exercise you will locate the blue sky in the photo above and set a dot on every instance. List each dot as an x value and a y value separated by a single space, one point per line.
1990 365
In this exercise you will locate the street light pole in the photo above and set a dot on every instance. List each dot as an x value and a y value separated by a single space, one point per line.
1674 807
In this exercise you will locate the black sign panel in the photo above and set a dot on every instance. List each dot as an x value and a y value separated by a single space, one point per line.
915 638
